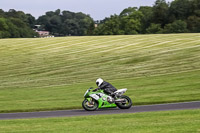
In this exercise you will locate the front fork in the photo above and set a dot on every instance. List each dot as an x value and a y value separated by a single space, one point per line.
89 100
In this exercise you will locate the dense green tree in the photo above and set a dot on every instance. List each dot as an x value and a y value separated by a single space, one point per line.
14 24
4 28
177 26
146 21
67 15
20 29
17 14
110 27
195 7
128 11
2 14
3 24
193 23
66 23
132 23
30 20
160 12
14 28
154 29
180 9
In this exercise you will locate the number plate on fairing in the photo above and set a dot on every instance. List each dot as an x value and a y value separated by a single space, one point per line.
94 96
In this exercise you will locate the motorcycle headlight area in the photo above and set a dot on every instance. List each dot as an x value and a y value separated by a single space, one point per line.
86 92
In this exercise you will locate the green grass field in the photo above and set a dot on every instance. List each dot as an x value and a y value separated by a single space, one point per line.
186 121
53 73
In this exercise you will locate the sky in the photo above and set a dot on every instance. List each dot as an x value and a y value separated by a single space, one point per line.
97 9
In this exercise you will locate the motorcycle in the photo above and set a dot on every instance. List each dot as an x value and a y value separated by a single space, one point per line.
99 99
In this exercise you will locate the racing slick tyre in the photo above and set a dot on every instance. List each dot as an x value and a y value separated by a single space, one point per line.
125 105
90 106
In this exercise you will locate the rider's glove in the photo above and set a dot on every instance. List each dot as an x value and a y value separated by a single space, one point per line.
95 89
112 94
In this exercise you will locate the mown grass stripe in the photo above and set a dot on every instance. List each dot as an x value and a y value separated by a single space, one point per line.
111 60
147 72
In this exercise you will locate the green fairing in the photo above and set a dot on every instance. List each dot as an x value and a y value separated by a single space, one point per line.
98 99
102 101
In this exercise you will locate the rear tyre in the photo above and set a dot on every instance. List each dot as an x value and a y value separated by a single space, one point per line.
90 106
125 105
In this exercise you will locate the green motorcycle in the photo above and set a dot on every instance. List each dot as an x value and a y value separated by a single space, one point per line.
99 99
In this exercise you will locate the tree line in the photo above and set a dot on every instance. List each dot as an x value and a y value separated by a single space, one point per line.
66 23
178 16
16 24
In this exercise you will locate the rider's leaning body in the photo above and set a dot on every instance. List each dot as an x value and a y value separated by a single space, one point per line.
105 86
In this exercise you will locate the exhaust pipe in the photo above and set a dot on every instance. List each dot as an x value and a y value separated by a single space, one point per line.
120 101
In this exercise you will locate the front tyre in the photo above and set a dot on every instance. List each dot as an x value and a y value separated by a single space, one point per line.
90 105
126 104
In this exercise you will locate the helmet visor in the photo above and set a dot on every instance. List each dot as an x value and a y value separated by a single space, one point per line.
97 83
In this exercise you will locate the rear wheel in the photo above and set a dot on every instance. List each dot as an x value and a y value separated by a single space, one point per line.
90 105
126 104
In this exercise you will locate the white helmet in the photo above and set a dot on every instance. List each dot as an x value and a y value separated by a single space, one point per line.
99 81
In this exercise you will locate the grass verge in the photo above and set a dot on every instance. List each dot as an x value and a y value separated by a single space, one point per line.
151 122
149 90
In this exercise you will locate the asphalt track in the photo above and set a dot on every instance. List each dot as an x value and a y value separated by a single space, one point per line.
81 112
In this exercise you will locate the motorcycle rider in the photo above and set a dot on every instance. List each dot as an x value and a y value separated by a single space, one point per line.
107 87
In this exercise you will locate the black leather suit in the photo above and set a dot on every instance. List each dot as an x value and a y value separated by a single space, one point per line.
107 87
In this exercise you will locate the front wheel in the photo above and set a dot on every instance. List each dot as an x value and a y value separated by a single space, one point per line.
90 105
126 104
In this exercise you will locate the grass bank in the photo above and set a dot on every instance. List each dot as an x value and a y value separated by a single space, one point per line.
148 90
54 73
